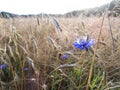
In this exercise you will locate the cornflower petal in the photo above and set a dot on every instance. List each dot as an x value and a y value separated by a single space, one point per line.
26 69
84 44
65 56
91 43
84 38
3 66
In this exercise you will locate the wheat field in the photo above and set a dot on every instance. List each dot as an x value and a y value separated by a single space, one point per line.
33 53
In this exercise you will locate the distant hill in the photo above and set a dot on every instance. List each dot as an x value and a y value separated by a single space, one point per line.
88 12
114 7
7 15
4 14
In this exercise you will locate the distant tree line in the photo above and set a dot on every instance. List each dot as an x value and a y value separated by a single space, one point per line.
7 15
113 8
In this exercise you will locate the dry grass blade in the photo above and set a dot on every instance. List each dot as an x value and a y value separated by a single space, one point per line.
38 22
91 50
111 34
24 49
93 58
11 52
113 88
110 28
34 45
68 65
57 24
30 61
58 47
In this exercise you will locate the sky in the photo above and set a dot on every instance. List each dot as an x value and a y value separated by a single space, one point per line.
47 6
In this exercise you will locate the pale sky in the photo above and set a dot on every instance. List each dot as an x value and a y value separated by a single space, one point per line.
47 6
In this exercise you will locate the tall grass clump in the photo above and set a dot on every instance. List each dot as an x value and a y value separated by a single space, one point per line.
62 54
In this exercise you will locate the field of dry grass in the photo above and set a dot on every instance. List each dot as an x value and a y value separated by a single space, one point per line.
36 44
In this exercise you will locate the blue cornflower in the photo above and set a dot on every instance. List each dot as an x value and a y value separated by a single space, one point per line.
26 69
84 44
3 66
65 56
